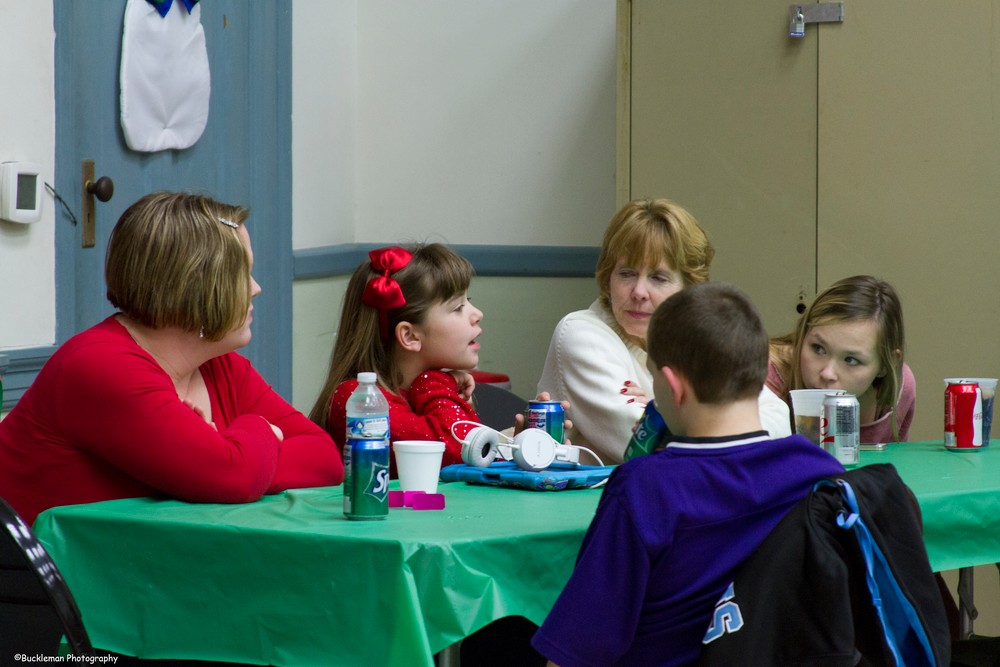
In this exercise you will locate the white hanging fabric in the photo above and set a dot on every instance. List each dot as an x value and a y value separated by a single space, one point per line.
165 80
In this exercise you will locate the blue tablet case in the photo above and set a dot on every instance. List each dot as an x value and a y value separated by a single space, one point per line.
557 477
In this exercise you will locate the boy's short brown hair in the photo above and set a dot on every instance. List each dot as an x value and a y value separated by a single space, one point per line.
712 334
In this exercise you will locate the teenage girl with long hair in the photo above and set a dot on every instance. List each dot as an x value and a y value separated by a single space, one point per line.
851 338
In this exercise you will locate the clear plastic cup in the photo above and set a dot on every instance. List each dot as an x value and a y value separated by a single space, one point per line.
418 463
807 408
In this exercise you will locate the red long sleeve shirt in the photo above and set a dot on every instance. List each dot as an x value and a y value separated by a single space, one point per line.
102 420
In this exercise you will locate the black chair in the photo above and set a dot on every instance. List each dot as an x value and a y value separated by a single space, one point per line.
497 407
36 606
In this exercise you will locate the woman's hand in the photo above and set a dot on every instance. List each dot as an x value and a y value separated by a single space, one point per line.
198 411
466 383
635 393
278 433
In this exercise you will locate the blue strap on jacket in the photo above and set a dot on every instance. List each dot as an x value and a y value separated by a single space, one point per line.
904 633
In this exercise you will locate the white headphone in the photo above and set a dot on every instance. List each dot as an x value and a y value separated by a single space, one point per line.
532 449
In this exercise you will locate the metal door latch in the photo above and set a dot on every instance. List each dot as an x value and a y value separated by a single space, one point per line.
817 12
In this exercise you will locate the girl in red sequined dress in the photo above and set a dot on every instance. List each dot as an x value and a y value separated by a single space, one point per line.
407 316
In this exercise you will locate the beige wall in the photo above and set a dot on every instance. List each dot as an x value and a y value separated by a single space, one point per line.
519 316
889 171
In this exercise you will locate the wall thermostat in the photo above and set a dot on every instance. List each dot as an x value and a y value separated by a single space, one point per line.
20 192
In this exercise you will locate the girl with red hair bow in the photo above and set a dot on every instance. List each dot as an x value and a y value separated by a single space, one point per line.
406 316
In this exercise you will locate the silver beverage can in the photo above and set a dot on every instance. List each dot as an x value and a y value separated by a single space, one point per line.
840 427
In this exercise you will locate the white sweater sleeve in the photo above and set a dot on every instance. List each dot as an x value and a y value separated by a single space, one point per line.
775 417
587 364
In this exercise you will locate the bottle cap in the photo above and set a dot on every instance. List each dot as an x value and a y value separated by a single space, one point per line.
367 377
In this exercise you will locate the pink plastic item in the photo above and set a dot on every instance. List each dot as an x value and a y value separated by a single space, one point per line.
396 499
428 501
408 497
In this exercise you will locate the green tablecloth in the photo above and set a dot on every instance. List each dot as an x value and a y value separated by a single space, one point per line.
959 496
288 581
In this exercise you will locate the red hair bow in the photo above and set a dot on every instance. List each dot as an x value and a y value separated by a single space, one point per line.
382 292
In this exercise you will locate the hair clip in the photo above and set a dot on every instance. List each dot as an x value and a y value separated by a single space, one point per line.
229 223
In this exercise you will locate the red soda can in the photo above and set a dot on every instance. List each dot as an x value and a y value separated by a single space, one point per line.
963 416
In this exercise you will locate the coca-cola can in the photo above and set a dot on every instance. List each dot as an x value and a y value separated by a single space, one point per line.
963 416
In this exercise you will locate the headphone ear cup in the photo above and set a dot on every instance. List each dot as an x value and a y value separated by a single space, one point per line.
480 447
534 449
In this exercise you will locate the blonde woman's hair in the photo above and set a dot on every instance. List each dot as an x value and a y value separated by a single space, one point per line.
176 260
434 274
647 232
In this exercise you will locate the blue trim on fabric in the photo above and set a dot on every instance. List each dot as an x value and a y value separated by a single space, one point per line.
163 6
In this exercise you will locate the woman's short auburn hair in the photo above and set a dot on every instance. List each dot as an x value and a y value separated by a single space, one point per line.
173 261
647 232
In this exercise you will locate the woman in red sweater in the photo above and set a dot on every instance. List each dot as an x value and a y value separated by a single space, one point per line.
154 401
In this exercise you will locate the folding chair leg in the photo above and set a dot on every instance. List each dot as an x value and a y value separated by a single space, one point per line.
967 611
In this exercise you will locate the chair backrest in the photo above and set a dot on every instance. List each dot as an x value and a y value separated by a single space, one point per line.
845 576
496 406
36 604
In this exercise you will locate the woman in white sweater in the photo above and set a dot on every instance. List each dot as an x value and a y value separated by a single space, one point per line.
597 357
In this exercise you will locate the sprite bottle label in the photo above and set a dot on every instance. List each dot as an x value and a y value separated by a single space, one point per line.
366 479
650 433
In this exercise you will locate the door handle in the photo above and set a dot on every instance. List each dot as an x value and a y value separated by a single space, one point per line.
103 188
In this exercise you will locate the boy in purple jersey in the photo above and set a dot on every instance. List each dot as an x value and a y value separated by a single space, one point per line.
673 526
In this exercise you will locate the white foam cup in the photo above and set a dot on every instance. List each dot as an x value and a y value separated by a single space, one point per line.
418 463
807 408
